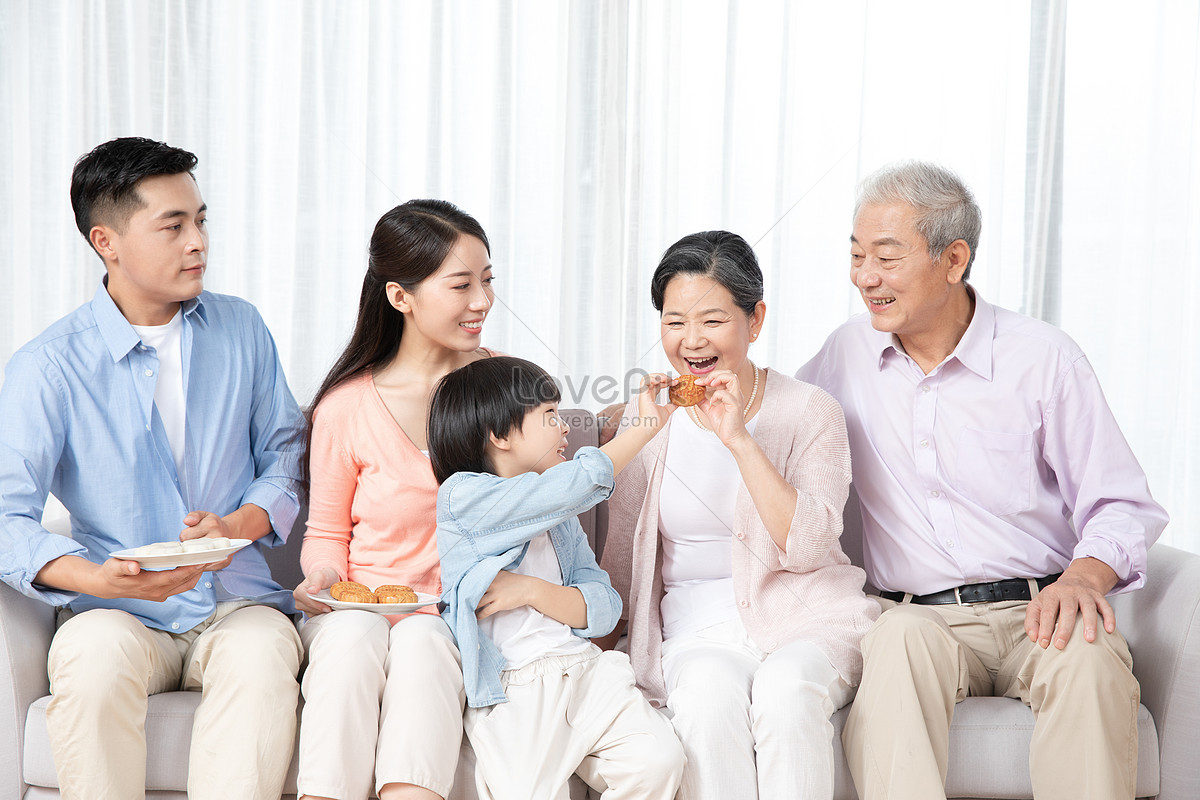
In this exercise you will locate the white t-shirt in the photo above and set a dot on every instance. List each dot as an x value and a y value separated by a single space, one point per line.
167 340
523 635
696 505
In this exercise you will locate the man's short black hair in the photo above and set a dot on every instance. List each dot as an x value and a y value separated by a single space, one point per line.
491 395
104 182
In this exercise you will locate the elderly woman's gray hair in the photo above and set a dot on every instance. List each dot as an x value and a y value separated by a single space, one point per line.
945 208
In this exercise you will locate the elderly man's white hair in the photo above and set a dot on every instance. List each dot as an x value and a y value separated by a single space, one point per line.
945 208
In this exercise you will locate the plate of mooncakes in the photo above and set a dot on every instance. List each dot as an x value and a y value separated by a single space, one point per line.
390 599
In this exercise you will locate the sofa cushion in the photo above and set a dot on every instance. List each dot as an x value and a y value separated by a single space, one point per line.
168 741
989 749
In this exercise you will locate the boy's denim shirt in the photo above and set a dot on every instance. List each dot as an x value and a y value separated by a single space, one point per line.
485 523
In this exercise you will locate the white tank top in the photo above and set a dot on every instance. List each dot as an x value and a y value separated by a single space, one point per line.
696 506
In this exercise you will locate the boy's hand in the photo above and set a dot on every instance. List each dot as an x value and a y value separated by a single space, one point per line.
649 421
508 590
321 579
651 415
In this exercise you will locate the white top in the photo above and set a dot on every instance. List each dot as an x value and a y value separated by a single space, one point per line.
696 519
523 635
169 399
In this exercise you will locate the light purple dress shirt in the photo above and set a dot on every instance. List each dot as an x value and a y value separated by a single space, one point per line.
1003 462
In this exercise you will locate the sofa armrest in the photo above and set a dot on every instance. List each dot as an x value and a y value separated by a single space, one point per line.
26 627
1161 622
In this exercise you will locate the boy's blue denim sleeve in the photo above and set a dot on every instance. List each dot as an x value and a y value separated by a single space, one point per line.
603 602
497 514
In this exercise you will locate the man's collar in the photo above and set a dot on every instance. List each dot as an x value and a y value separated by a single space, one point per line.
195 309
974 350
883 343
118 335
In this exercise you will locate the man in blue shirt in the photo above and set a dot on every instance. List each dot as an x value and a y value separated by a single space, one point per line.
156 412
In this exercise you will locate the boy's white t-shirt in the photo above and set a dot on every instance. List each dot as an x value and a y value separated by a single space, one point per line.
523 635
167 340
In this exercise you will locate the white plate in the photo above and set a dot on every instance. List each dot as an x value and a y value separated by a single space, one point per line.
173 560
379 608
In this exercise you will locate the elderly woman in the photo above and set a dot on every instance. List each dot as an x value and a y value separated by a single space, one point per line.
744 615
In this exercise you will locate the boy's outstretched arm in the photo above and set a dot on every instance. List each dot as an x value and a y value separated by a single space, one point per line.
649 421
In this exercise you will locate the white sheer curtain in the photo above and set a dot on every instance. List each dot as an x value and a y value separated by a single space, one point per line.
1131 231
588 136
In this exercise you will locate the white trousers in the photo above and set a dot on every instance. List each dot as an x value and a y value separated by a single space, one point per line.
104 664
566 714
382 704
752 725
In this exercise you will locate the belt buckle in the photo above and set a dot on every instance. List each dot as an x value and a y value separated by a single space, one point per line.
958 597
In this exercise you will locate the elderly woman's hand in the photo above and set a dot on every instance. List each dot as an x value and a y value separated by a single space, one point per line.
724 405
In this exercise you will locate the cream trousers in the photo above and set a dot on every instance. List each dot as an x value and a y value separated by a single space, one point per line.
566 714
104 664
752 725
922 660
382 704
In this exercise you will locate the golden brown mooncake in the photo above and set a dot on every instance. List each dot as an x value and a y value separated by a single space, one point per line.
351 592
685 392
395 594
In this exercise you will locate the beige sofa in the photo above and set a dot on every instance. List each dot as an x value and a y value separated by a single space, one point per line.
989 738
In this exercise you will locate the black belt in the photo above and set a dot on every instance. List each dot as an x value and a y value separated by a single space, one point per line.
1011 589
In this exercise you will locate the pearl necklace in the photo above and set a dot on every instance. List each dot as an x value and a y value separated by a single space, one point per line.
753 394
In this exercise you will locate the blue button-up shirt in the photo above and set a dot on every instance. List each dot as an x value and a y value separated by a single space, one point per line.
485 524
77 418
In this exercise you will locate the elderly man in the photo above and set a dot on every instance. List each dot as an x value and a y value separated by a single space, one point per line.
1000 505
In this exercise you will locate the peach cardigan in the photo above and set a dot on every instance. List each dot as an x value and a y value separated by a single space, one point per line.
811 591
372 503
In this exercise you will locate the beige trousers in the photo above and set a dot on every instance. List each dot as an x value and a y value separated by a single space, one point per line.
566 714
379 700
919 661
104 664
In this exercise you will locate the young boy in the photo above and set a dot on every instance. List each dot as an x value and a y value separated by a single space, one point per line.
156 411
523 591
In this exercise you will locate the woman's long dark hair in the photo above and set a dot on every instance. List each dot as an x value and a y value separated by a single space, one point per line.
408 245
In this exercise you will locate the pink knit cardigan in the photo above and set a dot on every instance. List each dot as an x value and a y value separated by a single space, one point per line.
809 592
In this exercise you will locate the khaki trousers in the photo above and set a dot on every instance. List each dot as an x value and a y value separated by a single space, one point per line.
379 700
104 664
578 713
919 661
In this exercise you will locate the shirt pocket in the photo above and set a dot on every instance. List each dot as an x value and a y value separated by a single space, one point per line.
995 470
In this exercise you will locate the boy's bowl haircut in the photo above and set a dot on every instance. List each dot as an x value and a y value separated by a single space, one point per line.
486 397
